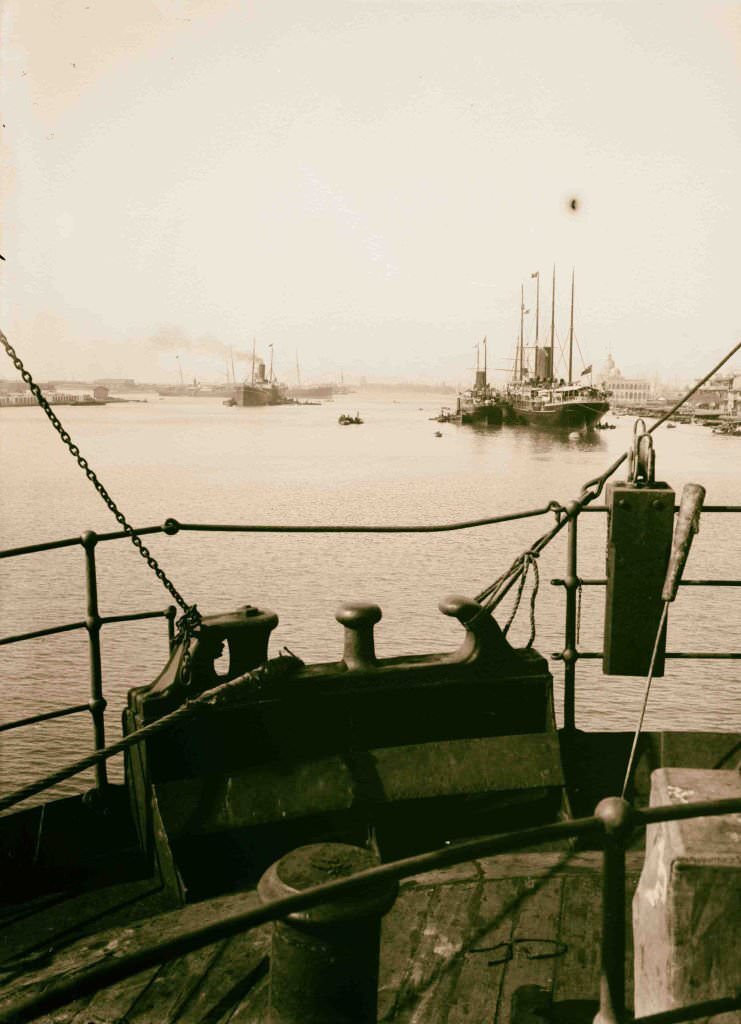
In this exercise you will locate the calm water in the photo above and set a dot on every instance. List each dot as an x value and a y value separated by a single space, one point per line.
201 462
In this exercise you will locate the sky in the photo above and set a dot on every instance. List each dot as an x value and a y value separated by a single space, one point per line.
365 186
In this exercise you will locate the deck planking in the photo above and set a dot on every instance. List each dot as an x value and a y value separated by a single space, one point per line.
453 950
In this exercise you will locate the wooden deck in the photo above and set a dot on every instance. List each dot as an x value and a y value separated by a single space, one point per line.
467 944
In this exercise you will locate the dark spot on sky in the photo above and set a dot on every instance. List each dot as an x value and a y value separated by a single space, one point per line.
573 204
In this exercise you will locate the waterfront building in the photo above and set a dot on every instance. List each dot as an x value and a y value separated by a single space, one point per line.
734 396
624 391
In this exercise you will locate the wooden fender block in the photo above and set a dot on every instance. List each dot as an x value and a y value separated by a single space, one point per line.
687 907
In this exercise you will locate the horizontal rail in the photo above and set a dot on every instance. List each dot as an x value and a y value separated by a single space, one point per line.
705 508
133 616
421 528
706 1009
63 988
44 717
68 627
680 812
172 526
47 546
49 631
682 583
686 655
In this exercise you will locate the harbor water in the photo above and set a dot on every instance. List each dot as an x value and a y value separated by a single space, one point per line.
200 462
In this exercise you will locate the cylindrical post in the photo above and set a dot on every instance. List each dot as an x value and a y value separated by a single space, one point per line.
358 618
170 614
89 539
570 653
324 961
616 817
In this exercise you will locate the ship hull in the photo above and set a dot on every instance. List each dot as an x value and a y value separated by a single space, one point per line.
249 395
574 415
487 414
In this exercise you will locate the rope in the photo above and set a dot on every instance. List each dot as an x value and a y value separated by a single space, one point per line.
528 560
249 684
649 680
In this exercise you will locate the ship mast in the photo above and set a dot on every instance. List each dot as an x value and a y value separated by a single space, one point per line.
484 360
253 362
553 324
270 378
536 275
571 330
522 329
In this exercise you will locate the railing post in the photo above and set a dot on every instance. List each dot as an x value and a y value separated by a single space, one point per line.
170 614
616 817
570 653
89 539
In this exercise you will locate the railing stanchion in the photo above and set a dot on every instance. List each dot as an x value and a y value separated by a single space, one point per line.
570 654
170 613
616 817
93 622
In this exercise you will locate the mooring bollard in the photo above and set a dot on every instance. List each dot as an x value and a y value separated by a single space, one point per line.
324 961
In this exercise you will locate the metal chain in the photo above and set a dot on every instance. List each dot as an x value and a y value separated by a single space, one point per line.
191 617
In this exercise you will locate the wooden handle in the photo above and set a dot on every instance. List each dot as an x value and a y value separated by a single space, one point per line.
688 523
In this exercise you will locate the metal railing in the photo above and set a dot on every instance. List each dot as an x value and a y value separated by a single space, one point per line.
571 582
93 622
614 820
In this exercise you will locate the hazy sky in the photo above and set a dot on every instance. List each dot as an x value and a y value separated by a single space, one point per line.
365 183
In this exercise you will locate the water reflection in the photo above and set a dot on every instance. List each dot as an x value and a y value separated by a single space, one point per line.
200 462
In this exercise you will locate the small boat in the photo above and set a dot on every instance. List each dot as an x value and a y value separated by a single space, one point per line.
345 420
438 433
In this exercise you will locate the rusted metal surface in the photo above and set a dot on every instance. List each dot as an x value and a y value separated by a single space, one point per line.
346 737
286 791
324 960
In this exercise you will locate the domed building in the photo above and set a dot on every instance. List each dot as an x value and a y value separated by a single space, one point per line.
624 391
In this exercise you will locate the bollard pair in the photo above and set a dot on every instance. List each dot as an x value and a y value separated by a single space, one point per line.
324 961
